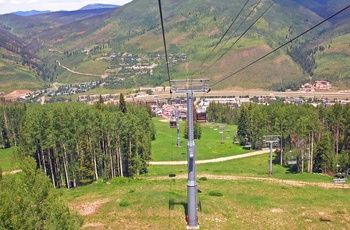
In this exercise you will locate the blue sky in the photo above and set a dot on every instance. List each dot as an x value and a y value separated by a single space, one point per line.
8 6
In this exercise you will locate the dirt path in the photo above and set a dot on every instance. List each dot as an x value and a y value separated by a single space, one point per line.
72 71
12 172
228 177
247 178
221 159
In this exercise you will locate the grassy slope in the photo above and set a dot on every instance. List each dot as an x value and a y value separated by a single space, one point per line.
209 146
333 62
15 77
244 205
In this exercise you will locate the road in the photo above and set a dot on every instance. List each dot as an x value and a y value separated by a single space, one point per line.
237 93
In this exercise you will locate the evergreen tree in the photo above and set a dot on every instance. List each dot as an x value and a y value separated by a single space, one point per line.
122 103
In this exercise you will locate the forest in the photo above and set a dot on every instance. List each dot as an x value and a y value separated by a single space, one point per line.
318 138
76 144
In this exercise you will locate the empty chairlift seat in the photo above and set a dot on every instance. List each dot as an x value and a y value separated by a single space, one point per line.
172 122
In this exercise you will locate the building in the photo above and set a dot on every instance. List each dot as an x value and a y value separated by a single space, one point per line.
322 85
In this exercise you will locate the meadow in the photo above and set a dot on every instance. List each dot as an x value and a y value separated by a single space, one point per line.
236 194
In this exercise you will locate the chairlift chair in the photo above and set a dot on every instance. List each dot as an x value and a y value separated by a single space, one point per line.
172 122
201 114
201 117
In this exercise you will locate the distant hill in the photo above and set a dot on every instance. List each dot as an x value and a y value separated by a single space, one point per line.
98 6
84 40
30 13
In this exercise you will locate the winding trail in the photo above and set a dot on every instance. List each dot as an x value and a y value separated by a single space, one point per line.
247 178
221 159
72 71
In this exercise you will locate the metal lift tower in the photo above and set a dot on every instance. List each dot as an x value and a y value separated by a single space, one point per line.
271 139
189 87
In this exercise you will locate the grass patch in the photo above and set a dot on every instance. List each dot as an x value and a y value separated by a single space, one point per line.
124 203
165 148
215 193
8 160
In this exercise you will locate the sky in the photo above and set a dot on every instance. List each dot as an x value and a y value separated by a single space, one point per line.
9 6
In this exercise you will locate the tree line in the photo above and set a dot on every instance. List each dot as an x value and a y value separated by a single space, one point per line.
75 144
318 138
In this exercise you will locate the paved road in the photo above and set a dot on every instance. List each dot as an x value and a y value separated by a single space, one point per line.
210 160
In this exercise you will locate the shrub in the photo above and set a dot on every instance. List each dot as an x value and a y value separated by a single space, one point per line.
215 193
124 203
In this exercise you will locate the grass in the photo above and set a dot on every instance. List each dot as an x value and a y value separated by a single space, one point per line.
332 62
208 147
8 160
15 77
234 205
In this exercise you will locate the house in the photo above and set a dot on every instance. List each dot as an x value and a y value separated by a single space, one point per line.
307 87
322 85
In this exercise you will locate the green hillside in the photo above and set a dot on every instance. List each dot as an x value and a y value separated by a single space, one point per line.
15 76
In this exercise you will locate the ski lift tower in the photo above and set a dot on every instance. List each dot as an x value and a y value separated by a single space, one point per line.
177 114
271 139
189 87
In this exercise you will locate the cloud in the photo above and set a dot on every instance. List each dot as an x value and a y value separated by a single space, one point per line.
8 6
18 2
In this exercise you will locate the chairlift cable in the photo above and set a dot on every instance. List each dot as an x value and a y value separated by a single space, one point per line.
291 40
164 42
235 42
168 72
222 37
239 38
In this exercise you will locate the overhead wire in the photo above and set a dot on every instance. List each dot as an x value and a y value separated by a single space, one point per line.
168 72
222 37
276 49
239 38
164 42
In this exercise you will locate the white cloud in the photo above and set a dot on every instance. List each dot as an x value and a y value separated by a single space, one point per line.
8 6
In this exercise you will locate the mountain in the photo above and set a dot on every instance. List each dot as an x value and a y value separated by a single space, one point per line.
30 13
98 6
106 43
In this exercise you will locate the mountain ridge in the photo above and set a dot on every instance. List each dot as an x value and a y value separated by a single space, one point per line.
192 28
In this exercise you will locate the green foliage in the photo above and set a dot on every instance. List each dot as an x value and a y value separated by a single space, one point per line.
298 126
76 144
122 104
124 203
197 131
220 113
215 193
29 200
120 180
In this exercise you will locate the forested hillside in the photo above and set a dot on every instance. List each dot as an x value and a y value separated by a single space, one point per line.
82 39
